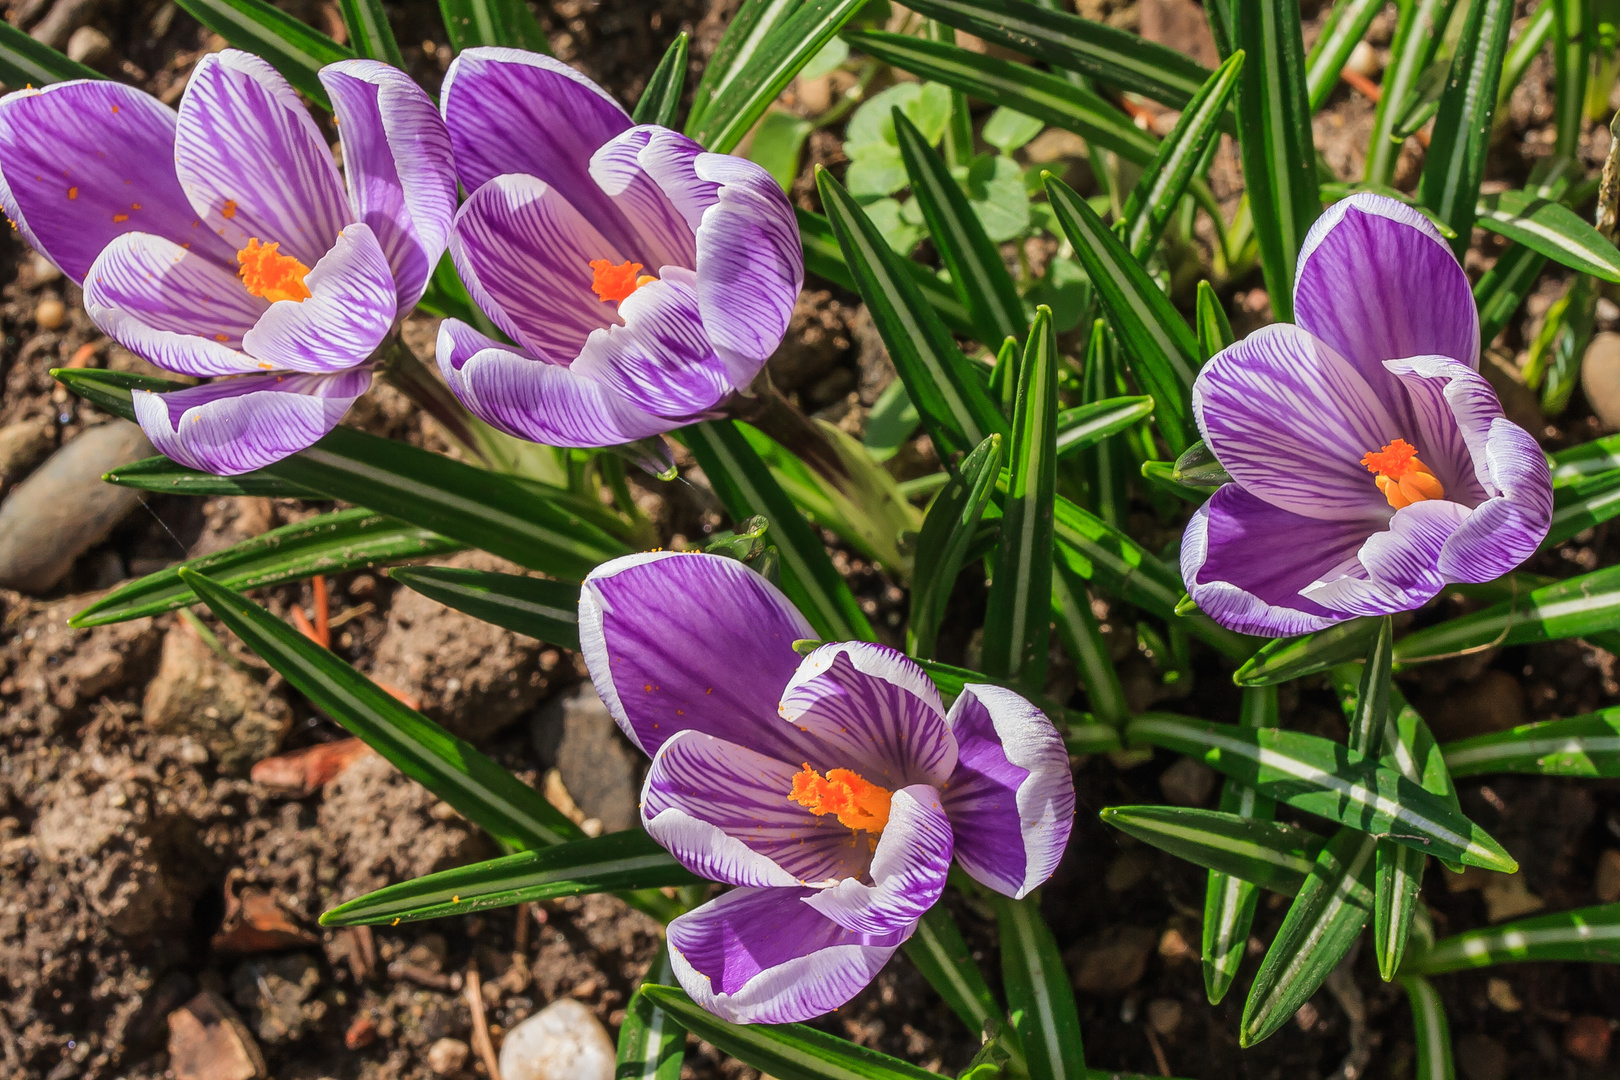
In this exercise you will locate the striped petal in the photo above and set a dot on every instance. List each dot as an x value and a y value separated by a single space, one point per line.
533 399
1011 799
908 869
665 238
1247 563
233 426
676 641
1290 419
1398 568
397 164
761 956
349 311
84 162
660 359
179 310
723 811
525 253
253 163
876 712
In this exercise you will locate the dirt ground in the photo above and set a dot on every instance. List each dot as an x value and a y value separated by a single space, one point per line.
140 865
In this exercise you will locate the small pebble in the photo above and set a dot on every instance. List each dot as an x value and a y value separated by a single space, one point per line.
563 1041
50 313
1364 60
1173 946
1164 1015
43 269
1600 378
1188 783
1501 994
1607 885
1586 1038
1127 870
89 46
447 1056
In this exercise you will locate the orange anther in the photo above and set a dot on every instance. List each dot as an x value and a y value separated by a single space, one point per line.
268 273
858 804
1402 478
613 283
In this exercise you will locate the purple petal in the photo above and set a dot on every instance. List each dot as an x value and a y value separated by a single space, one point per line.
233 426
349 311
252 161
1290 419
665 237
676 641
723 811
536 400
660 358
762 956
1377 282
1011 799
396 159
750 263
876 711
671 161
179 310
511 111
1507 529
908 870
525 253
1245 563
1399 567
1454 408
83 162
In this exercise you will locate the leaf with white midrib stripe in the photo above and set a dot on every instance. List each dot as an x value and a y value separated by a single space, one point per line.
1229 901
946 962
1433 1033
1589 934
1038 991
1586 745
1270 854
545 610
1323 777
1586 604
26 62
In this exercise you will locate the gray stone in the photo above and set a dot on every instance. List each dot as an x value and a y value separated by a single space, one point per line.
197 694
563 1041
64 508
579 735
24 445
1600 378
274 995
89 46
1188 782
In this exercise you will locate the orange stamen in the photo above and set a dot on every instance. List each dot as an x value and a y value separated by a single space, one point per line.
859 805
1402 478
613 283
268 273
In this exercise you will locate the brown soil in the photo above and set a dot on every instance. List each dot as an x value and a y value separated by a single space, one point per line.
129 829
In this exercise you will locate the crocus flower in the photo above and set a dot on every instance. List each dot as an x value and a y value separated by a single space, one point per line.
641 279
220 242
832 790
1370 460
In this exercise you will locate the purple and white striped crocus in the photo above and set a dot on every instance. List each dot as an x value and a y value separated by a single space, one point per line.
1370 460
833 790
221 243
642 280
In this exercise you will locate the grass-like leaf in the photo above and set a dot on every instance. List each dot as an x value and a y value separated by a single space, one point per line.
545 610
453 769
757 80
746 487
824 258
1576 607
947 963
1017 622
291 46
328 544
1589 935
1229 902
1325 778
1161 350
1586 745
1502 289
785 1051
166 477
1347 24
1087 425
946 535
976 267
1586 460
1321 925
1433 1033
367 23
1462 128
1038 992
1418 26
26 62
1582 503
492 22
611 863
1082 639
662 98
1214 328
1371 712
1269 854
1574 42
652 1046
1284 659
1015 86
1274 133
956 409
1550 227
1113 56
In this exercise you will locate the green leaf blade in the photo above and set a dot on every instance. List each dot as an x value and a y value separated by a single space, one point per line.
545 610
942 545
294 48
1038 991
1269 854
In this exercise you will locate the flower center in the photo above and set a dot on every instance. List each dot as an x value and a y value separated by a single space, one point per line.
268 273
860 805
615 283
1402 478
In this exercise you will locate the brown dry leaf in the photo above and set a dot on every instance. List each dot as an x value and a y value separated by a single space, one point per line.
255 923
306 771
208 1041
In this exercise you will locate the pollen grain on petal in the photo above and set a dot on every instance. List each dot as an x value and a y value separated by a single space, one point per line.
228 211
73 192
268 273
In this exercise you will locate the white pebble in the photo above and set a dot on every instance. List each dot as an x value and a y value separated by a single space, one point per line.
563 1041
1363 60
